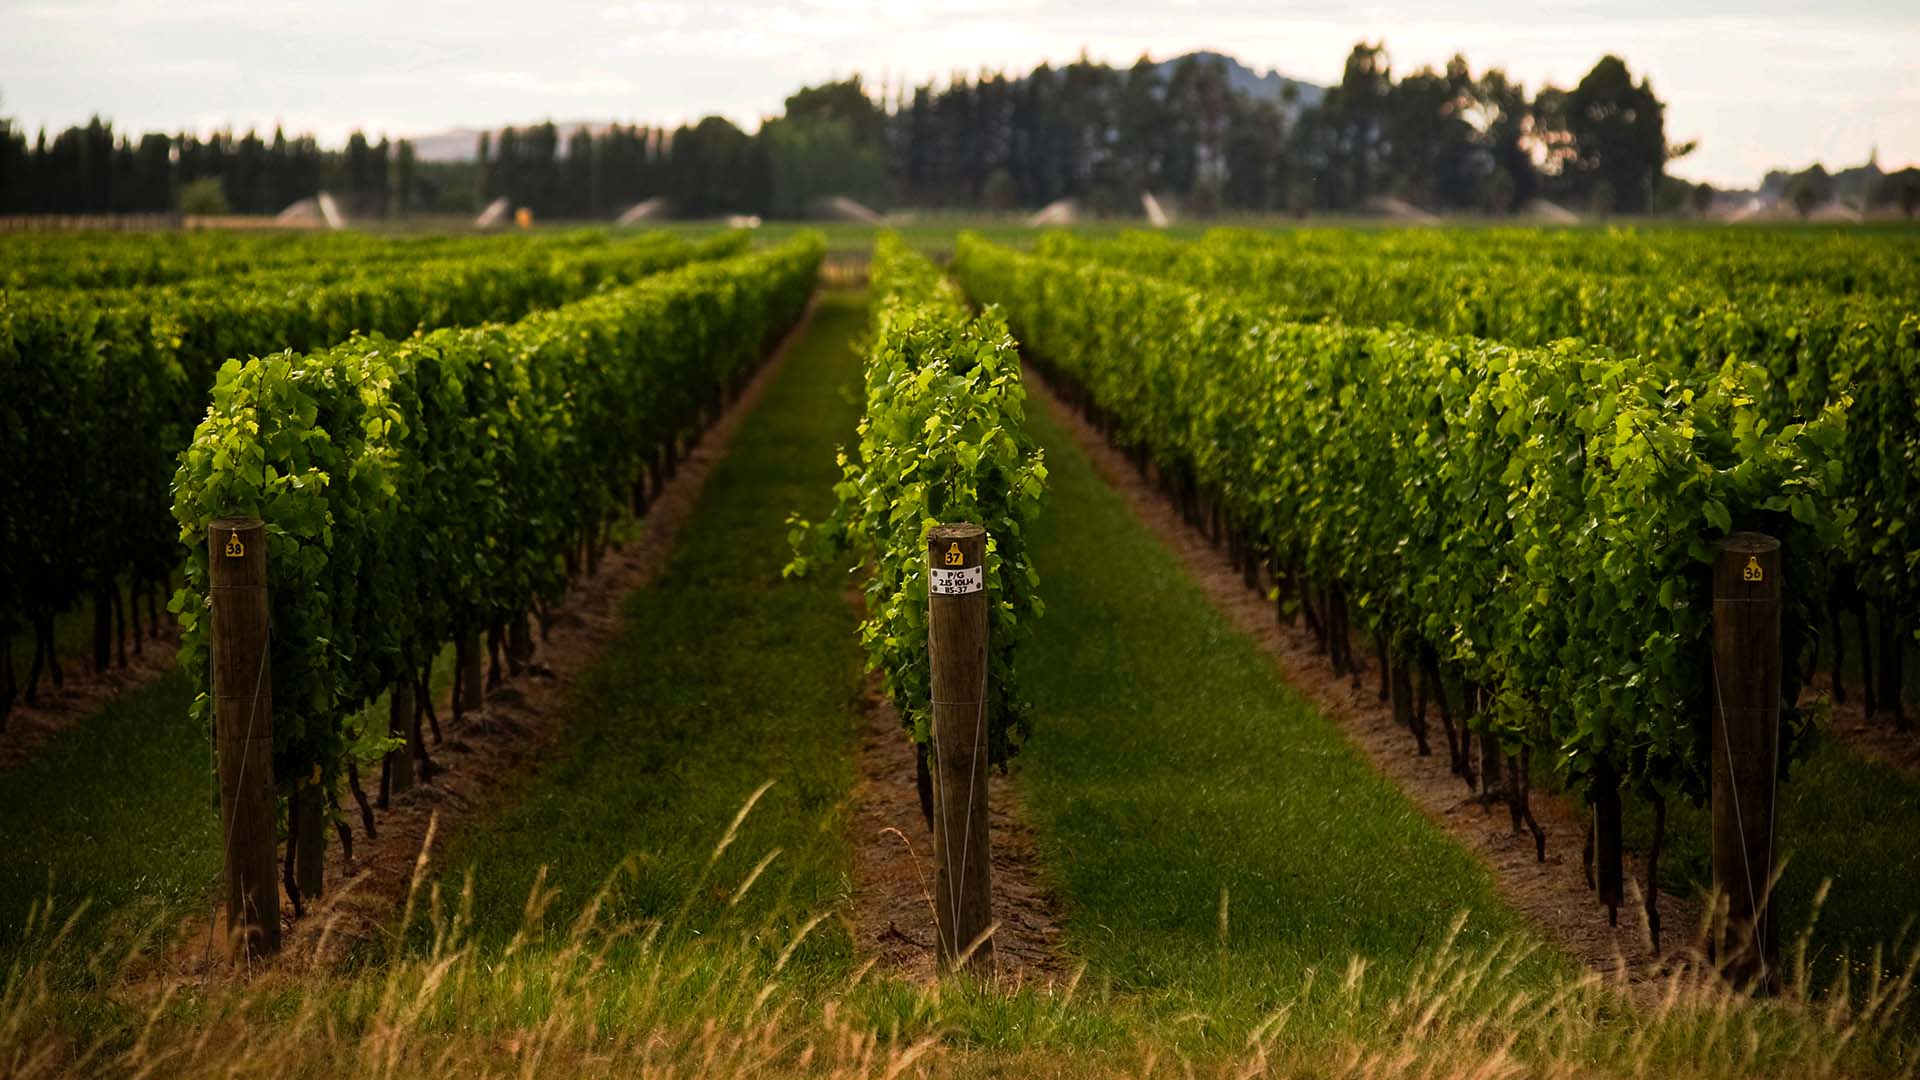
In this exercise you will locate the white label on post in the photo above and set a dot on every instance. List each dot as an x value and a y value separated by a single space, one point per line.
957 582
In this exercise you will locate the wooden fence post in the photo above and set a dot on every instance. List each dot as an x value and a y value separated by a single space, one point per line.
957 654
243 725
1746 748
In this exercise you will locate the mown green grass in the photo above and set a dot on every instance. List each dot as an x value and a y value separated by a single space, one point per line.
116 813
1171 767
727 677
116 821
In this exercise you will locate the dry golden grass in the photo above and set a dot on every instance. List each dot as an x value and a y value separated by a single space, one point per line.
659 999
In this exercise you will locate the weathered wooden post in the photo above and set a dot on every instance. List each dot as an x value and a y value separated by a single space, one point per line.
1609 864
957 654
519 644
243 726
310 837
1746 748
400 723
471 689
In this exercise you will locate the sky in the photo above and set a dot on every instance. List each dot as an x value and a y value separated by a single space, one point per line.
1760 83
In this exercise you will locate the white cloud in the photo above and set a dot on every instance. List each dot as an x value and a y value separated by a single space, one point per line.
647 13
530 83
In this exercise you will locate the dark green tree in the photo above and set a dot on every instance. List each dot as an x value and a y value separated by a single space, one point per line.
579 193
1356 113
403 178
713 168
1900 189
15 164
1809 189
1701 198
1255 155
1618 130
846 101
1430 150
1142 127
816 158
247 179
1499 111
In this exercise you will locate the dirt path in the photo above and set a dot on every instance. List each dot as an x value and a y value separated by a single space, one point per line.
1553 895
893 868
504 740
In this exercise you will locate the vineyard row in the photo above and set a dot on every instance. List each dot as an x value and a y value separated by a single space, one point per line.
1528 529
419 492
1814 353
100 392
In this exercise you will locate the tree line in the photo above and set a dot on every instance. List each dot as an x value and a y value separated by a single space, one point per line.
89 169
1442 140
1438 139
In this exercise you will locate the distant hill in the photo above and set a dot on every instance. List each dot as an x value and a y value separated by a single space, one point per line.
461 143
457 144
1268 85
